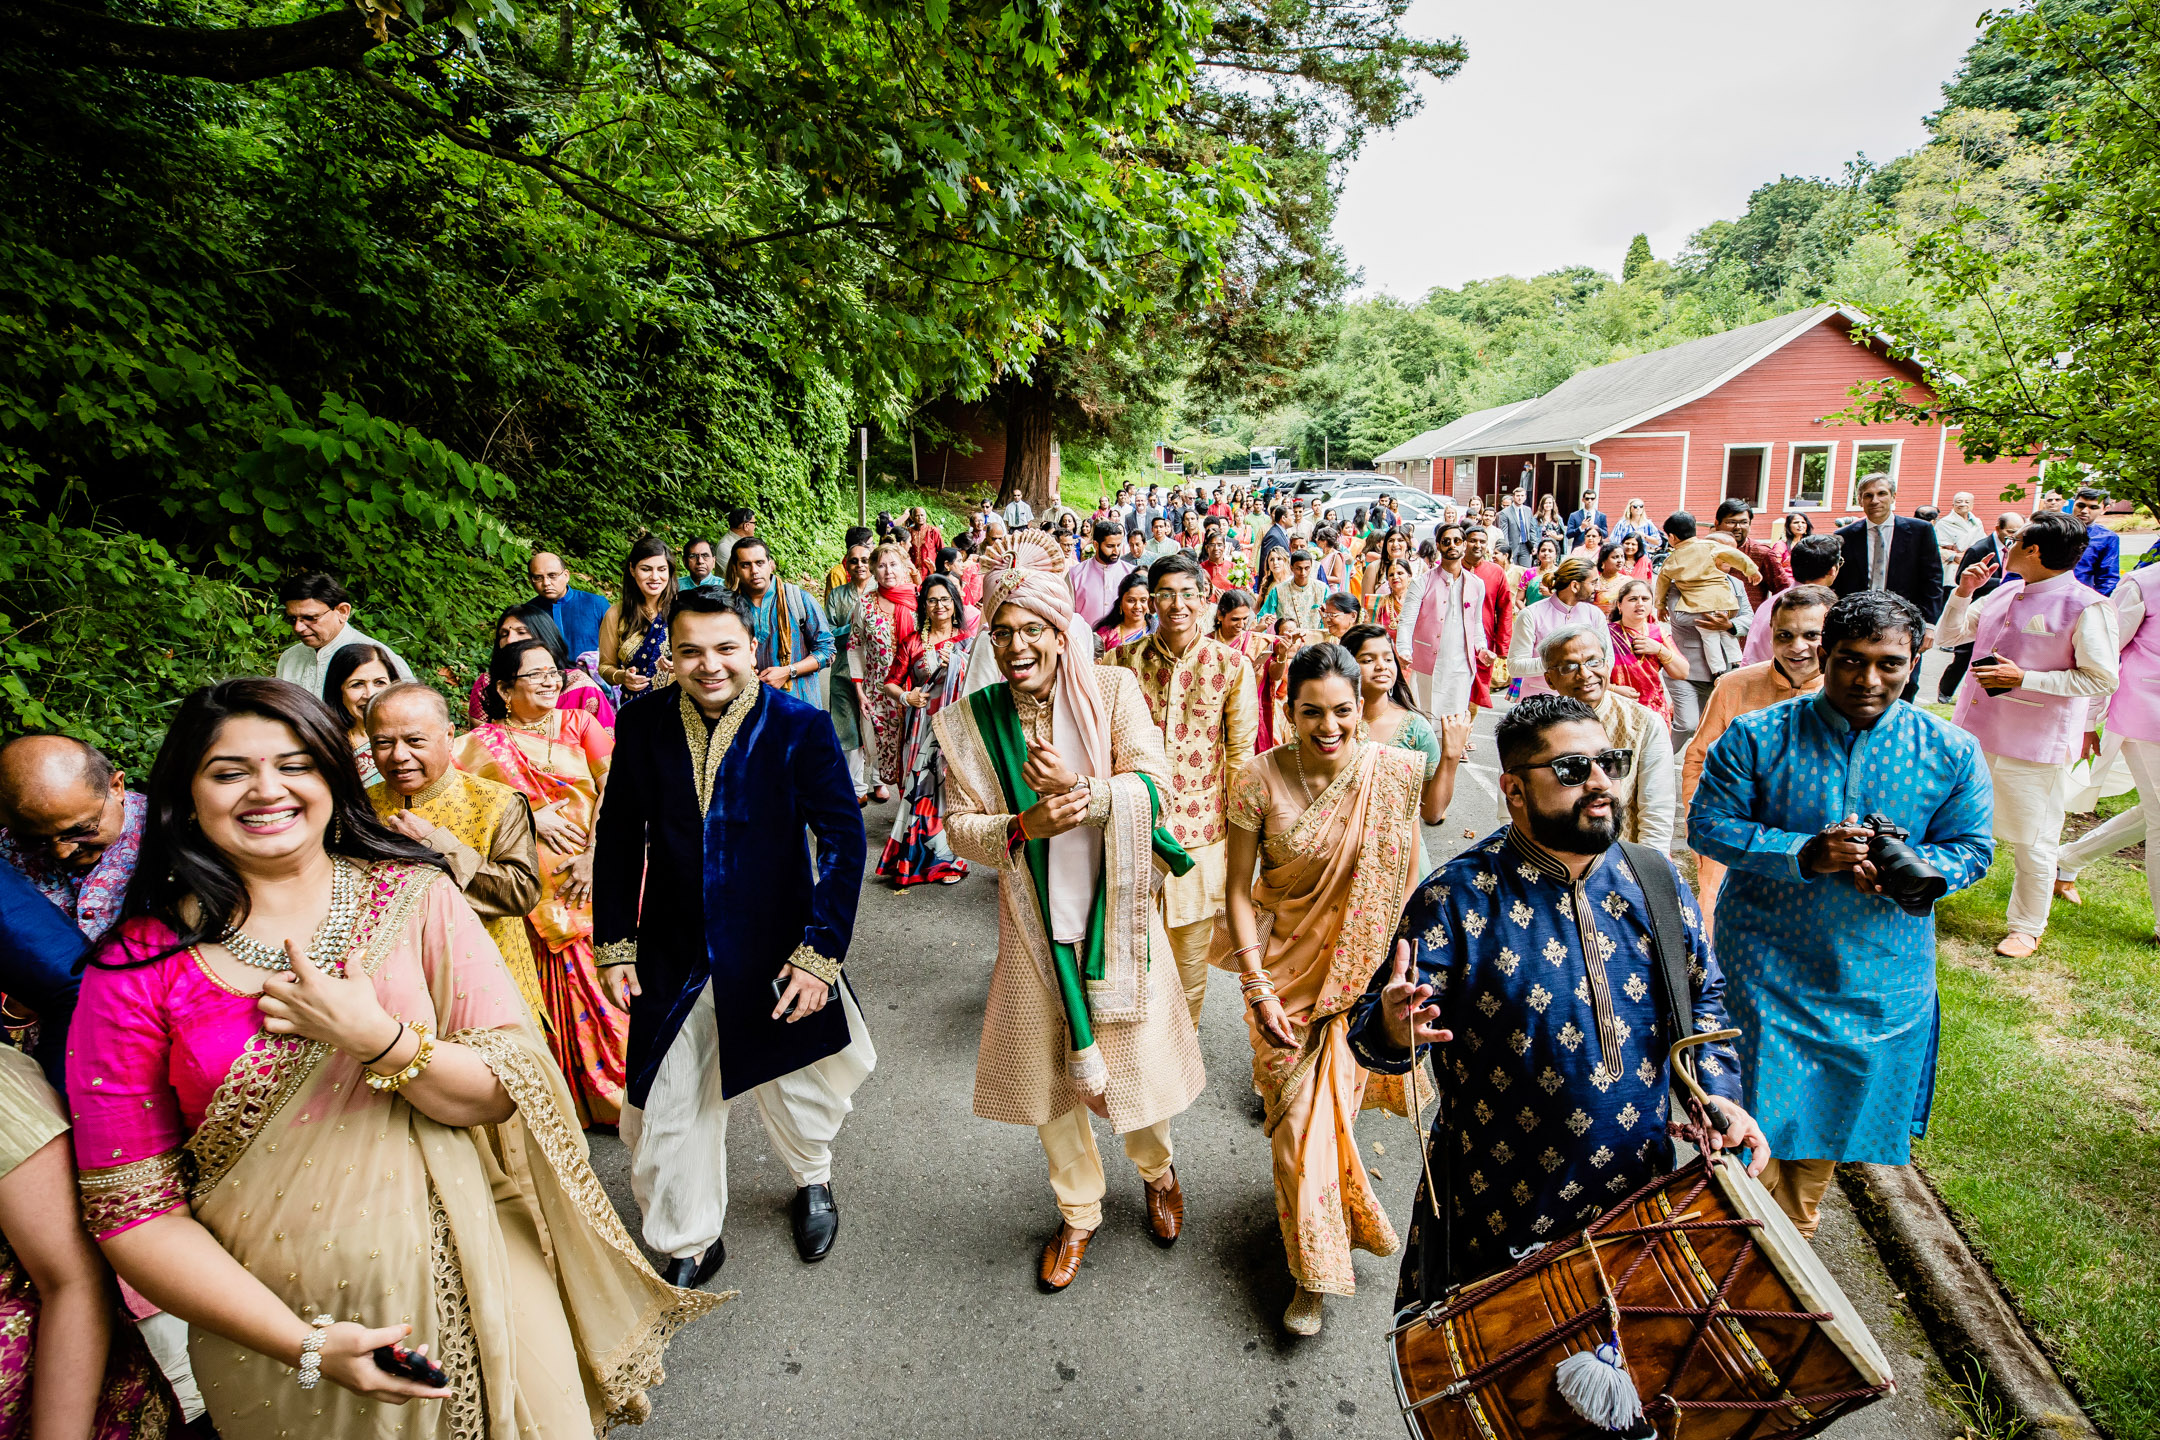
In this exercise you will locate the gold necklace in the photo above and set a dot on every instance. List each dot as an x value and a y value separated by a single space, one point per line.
1297 753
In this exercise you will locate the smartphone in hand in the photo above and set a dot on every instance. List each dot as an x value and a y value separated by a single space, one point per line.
779 988
398 1360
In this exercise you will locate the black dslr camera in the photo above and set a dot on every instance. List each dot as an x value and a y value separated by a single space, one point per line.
1909 881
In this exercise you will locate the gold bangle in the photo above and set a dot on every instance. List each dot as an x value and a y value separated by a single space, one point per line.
392 1083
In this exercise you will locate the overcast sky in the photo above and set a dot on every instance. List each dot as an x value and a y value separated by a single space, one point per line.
1575 124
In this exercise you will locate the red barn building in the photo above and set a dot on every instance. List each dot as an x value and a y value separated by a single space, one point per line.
1749 413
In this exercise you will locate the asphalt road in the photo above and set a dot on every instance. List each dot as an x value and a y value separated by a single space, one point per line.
925 1320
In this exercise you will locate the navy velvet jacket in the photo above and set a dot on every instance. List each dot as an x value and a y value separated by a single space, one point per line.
728 895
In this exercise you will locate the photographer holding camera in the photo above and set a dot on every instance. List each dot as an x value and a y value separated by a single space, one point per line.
1841 816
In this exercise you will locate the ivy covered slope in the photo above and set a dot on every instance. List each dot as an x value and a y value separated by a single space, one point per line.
433 285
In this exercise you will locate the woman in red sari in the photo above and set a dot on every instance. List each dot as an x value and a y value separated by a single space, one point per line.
888 621
558 760
925 678
1233 626
1215 561
1643 652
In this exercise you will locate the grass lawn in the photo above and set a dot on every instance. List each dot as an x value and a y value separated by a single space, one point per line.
2045 1138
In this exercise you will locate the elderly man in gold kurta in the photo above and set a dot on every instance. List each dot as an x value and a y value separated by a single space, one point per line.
1203 698
1058 777
484 829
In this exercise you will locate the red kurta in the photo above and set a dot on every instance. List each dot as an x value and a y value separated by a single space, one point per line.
1499 627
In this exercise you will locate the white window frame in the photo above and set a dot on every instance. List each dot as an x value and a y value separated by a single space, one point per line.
1852 479
1760 501
1829 484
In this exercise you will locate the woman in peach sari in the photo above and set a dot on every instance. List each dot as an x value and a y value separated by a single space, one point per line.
315 1119
1332 820
558 760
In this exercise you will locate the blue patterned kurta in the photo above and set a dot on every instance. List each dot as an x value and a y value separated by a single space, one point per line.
1833 990
1555 1082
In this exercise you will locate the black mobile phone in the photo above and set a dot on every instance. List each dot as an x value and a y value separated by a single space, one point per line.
1992 689
397 1360
779 988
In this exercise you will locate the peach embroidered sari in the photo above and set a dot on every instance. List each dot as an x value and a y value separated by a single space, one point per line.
1334 875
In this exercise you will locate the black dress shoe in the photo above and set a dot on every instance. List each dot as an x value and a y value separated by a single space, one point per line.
816 1220
691 1272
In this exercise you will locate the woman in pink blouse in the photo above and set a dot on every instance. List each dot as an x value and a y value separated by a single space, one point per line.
313 1117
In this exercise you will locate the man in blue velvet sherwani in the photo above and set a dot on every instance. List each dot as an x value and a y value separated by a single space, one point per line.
723 936
1833 986
1525 964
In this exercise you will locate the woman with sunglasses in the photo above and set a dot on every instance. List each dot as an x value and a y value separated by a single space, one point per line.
558 760
1330 820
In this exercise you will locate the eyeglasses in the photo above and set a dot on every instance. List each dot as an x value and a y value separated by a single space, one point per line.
540 677
1173 597
1573 770
1576 667
1003 636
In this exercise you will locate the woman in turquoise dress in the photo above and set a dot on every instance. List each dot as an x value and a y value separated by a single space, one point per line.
1392 718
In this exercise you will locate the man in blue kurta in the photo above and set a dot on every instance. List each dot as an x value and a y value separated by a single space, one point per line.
1526 967
794 644
1833 985
723 936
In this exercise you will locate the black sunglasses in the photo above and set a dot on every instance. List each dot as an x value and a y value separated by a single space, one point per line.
1574 769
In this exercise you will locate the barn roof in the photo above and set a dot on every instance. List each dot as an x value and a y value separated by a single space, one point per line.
1595 404
1450 438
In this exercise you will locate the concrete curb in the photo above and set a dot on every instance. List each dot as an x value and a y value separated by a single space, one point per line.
1958 1299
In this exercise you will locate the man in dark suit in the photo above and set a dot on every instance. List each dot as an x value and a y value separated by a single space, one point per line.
1995 545
723 936
1518 530
1888 551
1589 514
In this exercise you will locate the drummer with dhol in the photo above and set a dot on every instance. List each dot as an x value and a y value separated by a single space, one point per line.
1525 967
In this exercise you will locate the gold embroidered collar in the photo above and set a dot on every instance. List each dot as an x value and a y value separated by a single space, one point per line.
1545 860
708 749
433 790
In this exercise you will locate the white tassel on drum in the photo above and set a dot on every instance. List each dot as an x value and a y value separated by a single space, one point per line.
1595 1383
1597 1387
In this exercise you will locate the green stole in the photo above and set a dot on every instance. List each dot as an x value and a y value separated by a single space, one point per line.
999 724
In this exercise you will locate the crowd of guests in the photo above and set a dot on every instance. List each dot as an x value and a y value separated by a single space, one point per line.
347 927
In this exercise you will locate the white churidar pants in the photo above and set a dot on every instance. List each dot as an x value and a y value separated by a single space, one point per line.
678 1141
2129 828
1447 693
2029 799
855 772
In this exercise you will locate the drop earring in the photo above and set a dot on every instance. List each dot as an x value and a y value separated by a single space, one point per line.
337 830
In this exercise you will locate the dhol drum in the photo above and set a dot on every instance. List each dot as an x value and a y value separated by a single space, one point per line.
1727 1326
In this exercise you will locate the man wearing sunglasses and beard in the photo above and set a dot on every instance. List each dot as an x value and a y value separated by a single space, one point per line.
1525 966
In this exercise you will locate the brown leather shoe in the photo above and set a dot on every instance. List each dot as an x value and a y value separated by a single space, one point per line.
1061 1259
1166 1211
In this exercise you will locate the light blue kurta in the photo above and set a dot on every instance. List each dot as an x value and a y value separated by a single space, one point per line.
1834 990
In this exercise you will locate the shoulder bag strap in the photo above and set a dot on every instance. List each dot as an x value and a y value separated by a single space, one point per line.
1668 941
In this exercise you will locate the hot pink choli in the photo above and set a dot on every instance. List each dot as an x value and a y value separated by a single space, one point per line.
150 1045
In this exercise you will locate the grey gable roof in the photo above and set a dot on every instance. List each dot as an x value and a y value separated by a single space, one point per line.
1596 403
1451 437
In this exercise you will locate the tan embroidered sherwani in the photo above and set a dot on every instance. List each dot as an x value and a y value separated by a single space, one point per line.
1150 1050
1205 703
485 830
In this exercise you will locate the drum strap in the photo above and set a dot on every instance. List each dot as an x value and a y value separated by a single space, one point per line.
1668 939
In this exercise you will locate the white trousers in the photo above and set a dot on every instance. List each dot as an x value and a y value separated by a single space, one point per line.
855 772
2029 800
2126 829
678 1141
1447 693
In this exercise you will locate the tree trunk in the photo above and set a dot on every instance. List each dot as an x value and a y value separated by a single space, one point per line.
1030 438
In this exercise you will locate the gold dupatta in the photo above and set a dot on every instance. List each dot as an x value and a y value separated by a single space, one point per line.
496 1243
1328 898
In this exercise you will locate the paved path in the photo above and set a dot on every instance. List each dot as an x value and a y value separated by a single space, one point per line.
925 1321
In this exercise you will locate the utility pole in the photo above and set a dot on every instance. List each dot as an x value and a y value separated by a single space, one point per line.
1323 450
862 480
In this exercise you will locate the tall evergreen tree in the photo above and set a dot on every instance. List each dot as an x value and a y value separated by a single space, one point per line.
1638 257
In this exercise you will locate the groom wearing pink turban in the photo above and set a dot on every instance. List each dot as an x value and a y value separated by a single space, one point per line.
1058 775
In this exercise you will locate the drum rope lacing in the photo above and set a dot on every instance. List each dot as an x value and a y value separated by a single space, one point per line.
1600 1231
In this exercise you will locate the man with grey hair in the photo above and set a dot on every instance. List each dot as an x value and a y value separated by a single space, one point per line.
483 828
1888 551
1578 663
70 825
1956 532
